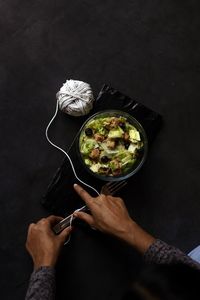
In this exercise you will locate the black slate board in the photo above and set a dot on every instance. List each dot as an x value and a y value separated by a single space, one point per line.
60 197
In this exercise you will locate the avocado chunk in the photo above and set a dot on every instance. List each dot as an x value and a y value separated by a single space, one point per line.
116 133
134 135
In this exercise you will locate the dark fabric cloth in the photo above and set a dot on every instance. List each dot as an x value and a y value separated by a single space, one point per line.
42 281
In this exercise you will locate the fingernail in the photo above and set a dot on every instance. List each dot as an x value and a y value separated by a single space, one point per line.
75 214
75 184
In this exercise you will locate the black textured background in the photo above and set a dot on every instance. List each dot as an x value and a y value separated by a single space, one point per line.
146 49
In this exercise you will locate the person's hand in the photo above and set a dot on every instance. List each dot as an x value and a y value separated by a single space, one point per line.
109 215
42 244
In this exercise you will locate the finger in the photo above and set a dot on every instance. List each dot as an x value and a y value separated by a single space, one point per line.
53 219
83 194
31 226
64 234
85 217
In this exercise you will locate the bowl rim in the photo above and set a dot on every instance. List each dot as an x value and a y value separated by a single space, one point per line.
145 139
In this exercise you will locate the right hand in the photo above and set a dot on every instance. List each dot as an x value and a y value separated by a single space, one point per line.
108 214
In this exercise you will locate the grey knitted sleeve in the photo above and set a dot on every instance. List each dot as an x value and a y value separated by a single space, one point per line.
41 284
161 253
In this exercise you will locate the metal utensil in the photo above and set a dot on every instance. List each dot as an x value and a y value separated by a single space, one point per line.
109 188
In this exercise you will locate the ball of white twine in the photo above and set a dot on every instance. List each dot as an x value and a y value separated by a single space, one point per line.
75 98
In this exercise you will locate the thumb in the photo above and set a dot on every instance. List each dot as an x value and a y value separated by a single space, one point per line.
85 217
64 234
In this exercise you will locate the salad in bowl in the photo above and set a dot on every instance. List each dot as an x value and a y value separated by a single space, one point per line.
112 145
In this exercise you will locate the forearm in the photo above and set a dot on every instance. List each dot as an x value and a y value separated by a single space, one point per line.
136 237
42 284
154 250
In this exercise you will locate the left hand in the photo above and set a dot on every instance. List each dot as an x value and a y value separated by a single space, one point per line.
42 243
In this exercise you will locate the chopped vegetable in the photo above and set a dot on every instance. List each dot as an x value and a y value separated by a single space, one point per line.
115 133
134 135
95 167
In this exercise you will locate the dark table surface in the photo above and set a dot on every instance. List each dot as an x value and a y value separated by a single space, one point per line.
146 49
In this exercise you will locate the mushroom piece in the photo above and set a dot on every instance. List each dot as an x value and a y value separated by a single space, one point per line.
110 144
98 137
94 154
126 136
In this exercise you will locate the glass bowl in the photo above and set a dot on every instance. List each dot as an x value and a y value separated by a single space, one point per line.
137 164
